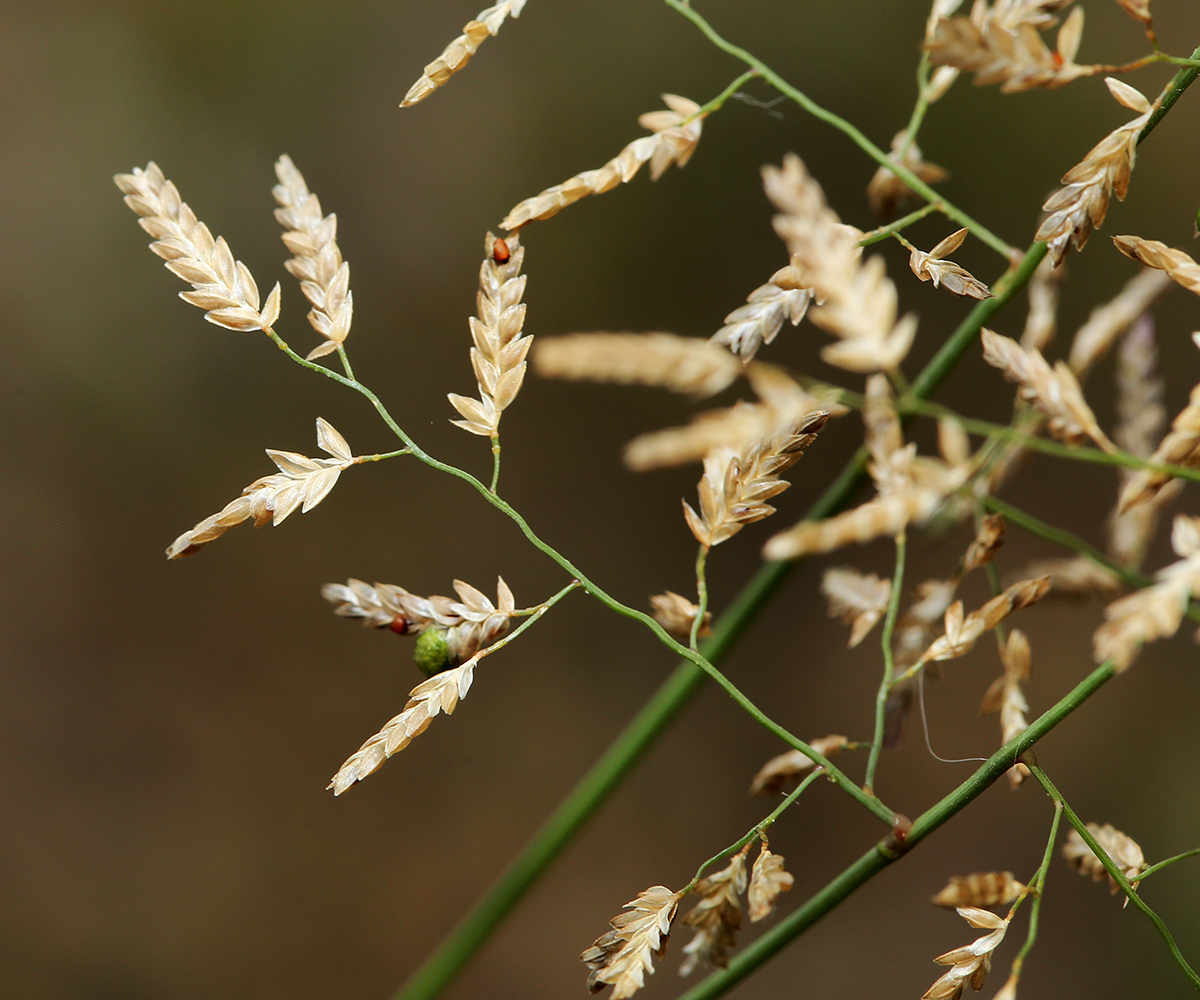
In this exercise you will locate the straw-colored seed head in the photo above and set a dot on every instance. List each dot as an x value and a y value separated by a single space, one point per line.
1124 850
624 956
1181 446
1108 321
945 273
676 614
979 889
717 916
859 599
887 192
767 880
781 769
971 964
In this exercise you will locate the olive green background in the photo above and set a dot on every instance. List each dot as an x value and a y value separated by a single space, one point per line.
167 729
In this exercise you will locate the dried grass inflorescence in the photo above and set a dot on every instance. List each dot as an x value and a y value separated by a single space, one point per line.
623 956
716 916
767 880
1124 851
222 286
779 770
1108 321
1002 44
1157 611
859 599
945 273
1177 264
887 192
498 354
300 484
963 631
324 277
979 889
1006 697
458 53
1181 446
676 614
676 134
972 963
756 323
1082 203
737 484
855 300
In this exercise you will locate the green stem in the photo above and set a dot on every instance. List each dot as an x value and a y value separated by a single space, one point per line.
1036 885
701 596
1154 869
889 664
1115 873
883 232
495 463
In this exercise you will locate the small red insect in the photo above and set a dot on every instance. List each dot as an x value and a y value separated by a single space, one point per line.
500 252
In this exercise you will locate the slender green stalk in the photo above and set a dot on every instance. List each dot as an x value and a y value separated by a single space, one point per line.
889 663
883 232
1154 869
1115 873
1036 884
701 596
495 463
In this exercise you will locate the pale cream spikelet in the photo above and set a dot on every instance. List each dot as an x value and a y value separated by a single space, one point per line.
859 599
1109 320
324 277
768 879
458 53
782 768
1181 446
1002 44
756 323
1156 612
1181 268
946 274
962 631
222 286
300 484
624 956
1139 10
989 536
970 964
681 364
891 464
676 135
676 614
1055 391
979 889
886 192
498 354
716 916
1075 576
1082 203
1041 322
1006 697
737 484
1123 850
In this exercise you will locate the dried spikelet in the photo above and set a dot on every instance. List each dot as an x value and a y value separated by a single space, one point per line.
624 955
676 134
779 770
736 486
859 599
677 614
498 356
1005 696
1110 320
1055 391
856 301
979 889
767 880
972 963
962 632
681 364
1181 446
1002 45
756 323
945 273
891 461
886 192
1075 576
989 536
1122 849
1081 204
1137 9
458 53
223 287
1157 611
1042 321
301 483
1161 257
717 916
324 277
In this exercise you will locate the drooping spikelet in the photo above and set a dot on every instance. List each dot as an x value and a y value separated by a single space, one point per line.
717 916
767 880
887 192
1124 850
972 963
676 134
945 273
457 54
1161 257
324 277
979 889
963 631
623 956
676 614
498 356
1081 204
223 287
301 483
781 769
1006 697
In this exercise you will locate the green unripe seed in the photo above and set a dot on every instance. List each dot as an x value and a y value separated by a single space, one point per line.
432 655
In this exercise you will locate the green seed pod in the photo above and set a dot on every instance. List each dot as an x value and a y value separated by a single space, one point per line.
431 654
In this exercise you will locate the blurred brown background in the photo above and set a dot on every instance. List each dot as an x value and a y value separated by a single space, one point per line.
167 729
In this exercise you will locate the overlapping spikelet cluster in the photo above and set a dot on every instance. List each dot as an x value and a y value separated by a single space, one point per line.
781 769
623 956
1006 697
1123 850
969 964
933 266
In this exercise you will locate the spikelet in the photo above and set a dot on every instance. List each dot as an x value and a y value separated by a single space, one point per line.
1075 576
1081 204
1041 323
717 916
1055 391
676 614
1181 446
962 631
855 300
1139 10
223 287
945 273
1002 44
756 323
1161 257
1006 697
1122 849
972 963
737 484
301 483
681 364
676 134
498 356
979 889
458 53
767 880
859 599
1157 611
623 956
887 192
1110 320
324 277
989 536
779 770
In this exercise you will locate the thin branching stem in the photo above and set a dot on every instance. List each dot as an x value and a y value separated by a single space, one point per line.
889 663
1036 885
1154 869
701 596
883 232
